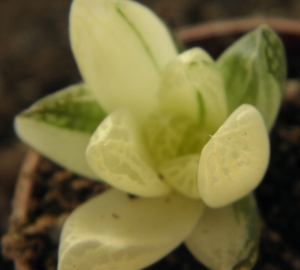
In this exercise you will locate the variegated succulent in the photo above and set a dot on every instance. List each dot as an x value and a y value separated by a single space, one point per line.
187 135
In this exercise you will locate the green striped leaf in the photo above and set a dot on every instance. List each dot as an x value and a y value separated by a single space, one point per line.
254 72
120 48
60 126
192 85
73 108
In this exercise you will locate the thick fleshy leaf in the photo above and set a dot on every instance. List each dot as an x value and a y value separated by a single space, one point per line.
171 135
227 238
117 231
235 159
60 126
254 72
118 155
120 48
182 173
192 85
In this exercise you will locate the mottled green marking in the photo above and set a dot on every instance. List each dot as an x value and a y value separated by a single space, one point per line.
249 261
73 110
254 72
245 209
274 55
206 63
193 64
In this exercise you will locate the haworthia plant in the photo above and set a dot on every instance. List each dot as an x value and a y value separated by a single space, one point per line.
181 132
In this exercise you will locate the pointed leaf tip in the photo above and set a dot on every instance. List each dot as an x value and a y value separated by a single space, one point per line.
60 125
192 85
120 48
254 72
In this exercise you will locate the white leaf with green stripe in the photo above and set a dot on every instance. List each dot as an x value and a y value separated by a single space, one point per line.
118 155
227 238
120 48
254 72
116 231
235 159
192 85
59 126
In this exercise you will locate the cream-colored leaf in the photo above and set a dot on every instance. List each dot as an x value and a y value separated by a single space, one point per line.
118 155
60 126
120 48
227 238
182 173
192 85
235 159
116 231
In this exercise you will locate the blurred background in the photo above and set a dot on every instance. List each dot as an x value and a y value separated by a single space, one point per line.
35 59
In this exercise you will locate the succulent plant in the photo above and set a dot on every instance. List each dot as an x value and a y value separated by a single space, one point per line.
183 133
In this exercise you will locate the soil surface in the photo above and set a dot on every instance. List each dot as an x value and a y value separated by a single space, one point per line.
35 59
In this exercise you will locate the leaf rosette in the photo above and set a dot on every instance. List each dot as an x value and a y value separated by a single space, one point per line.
187 135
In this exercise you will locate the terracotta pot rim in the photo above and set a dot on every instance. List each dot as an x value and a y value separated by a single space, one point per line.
24 186
221 28
22 193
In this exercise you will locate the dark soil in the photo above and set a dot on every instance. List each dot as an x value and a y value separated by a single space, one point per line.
35 59
55 193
